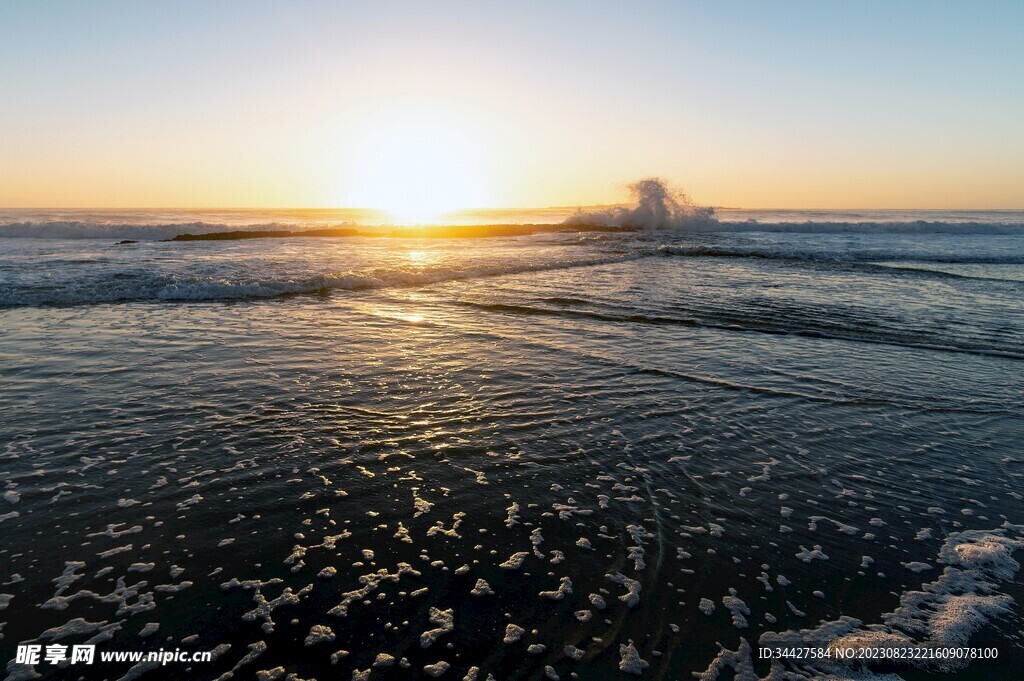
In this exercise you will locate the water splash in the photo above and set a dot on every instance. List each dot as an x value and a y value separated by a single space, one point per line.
658 207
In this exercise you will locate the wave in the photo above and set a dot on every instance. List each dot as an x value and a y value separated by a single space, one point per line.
839 255
678 217
894 227
658 207
140 285
775 325
75 229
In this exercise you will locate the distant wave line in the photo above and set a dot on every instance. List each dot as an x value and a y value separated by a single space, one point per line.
837 256
75 229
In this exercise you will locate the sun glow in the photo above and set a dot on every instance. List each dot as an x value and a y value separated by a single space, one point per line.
416 166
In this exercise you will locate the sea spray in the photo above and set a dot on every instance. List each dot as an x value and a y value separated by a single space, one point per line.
658 207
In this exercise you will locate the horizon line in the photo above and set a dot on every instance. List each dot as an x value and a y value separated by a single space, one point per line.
481 209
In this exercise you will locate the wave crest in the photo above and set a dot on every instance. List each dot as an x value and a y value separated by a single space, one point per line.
658 207
135 285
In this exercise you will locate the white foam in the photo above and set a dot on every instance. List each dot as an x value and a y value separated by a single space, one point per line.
513 633
319 633
630 661
383 660
445 621
813 554
437 669
944 613
737 608
482 588
632 586
564 589
515 561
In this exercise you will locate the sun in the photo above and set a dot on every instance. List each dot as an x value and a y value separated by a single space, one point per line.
417 165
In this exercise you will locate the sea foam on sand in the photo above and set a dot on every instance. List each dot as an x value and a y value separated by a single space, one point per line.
943 613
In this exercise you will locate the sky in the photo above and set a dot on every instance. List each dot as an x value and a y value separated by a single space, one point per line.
429 106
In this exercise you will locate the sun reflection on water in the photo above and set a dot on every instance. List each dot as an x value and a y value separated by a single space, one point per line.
422 259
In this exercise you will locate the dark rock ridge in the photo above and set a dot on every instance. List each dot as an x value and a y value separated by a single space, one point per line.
427 232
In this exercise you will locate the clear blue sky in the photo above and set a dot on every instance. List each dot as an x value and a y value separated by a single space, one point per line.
829 104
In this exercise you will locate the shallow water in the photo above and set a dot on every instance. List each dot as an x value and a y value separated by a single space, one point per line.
193 430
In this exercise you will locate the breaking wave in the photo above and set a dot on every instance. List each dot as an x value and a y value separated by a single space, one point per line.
658 207
134 285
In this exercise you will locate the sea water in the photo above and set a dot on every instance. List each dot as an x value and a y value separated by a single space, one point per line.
588 454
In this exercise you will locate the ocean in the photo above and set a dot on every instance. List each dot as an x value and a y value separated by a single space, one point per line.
574 454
